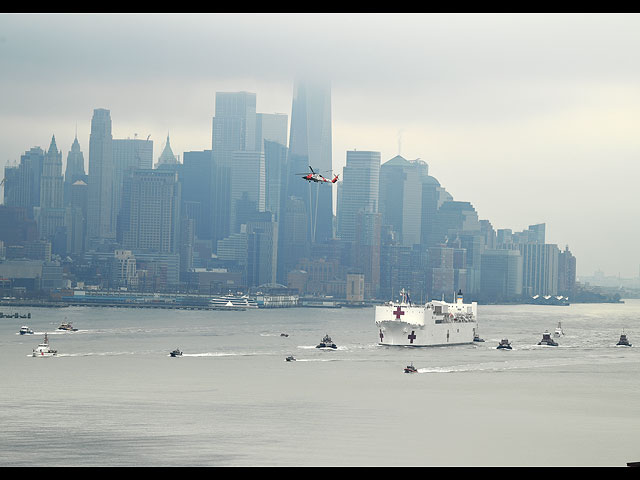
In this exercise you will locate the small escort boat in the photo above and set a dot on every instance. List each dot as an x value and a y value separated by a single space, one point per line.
67 327
24 330
284 334
176 353
547 340
290 358
558 331
326 343
410 369
623 340
504 345
43 350
476 338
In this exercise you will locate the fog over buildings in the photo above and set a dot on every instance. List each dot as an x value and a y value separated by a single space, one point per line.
520 120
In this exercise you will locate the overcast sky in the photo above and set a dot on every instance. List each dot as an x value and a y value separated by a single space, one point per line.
530 117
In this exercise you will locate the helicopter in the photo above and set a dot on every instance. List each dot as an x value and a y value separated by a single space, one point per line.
316 177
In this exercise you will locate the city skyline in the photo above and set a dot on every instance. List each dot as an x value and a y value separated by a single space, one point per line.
561 154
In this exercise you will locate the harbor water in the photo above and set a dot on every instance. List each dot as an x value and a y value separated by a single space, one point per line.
113 396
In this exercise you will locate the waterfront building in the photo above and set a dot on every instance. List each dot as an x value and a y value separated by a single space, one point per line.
501 275
539 268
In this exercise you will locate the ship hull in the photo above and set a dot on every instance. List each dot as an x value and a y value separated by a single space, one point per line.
435 324
408 335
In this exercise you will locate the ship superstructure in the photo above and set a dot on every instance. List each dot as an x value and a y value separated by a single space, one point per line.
432 324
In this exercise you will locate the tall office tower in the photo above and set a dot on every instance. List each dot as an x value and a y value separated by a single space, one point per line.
293 240
440 272
262 251
310 144
401 197
151 211
366 247
271 127
75 169
359 190
234 130
77 212
275 171
501 275
51 182
433 197
128 154
100 224
196 177
51 213
566 272
22 182
539 268
247 182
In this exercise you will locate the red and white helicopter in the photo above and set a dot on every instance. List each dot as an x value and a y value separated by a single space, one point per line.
316 177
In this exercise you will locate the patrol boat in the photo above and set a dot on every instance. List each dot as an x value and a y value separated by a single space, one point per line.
547 340
623 340
24 330
432 324
43 350
504 345
410 369
326 343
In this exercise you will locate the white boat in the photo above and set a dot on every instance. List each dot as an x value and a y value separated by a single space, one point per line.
24 330
43 350
558 331
432 324
327 343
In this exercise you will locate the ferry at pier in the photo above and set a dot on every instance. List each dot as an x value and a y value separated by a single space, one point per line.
435 323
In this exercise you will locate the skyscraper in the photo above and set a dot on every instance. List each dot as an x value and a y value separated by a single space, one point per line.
310 144
100 221
233 130
151 211
51 213
359 190
401 197
128 154
75 169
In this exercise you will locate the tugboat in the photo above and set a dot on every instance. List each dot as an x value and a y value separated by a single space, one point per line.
547 340
410 369
476 338
504 345
290 358
623 340
24 330
326 343
176 353
67 327
43 349
558 332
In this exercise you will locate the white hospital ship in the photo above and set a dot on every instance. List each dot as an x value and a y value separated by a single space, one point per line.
432 324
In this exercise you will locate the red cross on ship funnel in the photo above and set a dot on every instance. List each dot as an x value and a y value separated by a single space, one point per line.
398 312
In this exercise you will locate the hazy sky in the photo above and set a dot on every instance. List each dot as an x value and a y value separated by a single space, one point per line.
530 117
